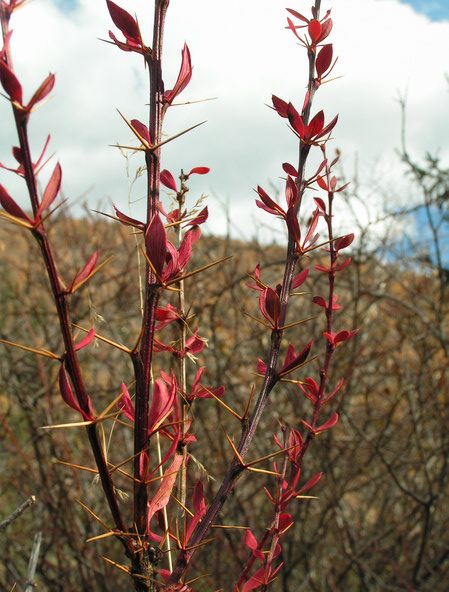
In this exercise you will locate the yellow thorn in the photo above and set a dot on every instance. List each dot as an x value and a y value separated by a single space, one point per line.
231 411
152 267
230 526
258 320
80 467
135 132
101 536
115 564
199 270
92 513
171 138
296 323
245 413
268 456
39 352
75 424
14 220
236 452
185 508
264 471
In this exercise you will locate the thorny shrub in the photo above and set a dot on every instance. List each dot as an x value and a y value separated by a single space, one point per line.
170 517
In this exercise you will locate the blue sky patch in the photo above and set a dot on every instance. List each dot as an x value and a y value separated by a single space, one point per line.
437 10
66 5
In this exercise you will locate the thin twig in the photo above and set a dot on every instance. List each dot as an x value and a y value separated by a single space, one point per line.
17 512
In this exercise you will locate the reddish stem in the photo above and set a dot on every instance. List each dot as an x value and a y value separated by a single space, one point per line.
249 428
62 306
142 359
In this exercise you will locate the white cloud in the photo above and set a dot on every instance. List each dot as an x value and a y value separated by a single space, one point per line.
242 54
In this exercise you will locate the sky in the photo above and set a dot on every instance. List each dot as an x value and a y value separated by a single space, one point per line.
241 54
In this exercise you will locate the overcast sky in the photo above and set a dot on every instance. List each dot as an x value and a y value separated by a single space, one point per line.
241 54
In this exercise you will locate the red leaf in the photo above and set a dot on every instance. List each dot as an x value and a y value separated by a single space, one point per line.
296 121
18 154
322 183
261 366
310 237
297 15
269 304
205 392
10 206
250 540
185 249
326 28
69 397
343 265
163 494
343 187
293 225
195 344
257 580
297 361
320 203
306 101
320 301
126 404
127 220
290 169
343 242
336 390
124 21
314 28
291 192
45 89
330 423
52 189
315 126
299 279
66 390
200 219
293 28
295 443
328 128
270 206
323 268
290 355
324 59
129 45
10 83
162 404
156 243
310 389
141 129
168 180
199 502
199 171
38 166
311 482
280 106
166 315
343 336
85 342
199 506
285 521
184 76
86 271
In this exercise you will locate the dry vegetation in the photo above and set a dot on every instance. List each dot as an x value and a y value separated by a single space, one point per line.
380 522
